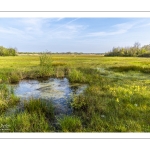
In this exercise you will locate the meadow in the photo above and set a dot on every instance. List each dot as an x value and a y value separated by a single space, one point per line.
117 98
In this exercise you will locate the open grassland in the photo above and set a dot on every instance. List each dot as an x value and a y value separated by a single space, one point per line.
117 98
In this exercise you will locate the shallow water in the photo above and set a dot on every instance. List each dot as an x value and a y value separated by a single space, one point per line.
59 91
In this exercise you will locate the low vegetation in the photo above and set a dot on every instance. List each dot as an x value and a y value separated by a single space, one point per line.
35 116
40 106
7 98
70 124
25 122
115 100
46 68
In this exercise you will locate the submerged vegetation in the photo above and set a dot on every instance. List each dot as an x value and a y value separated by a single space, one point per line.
115 100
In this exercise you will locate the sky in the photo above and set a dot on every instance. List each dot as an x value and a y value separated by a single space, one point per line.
86 35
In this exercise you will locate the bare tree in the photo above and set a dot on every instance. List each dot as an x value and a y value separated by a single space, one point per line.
137 45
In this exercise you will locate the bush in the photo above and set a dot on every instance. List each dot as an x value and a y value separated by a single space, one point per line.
8 51
145 55
134 51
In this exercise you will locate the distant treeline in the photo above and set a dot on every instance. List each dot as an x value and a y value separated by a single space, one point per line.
134 51
8 51
61 53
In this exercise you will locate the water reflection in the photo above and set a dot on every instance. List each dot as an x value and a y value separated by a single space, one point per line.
57 90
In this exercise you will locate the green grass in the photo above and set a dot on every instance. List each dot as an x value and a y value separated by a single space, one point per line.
70 124
36 116
25 122
7 98
40 106
131 68
117 98
46 68
76 76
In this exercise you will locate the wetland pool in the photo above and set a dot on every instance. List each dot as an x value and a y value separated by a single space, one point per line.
59 91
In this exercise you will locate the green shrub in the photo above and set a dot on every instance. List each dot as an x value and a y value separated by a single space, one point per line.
8 51
145 55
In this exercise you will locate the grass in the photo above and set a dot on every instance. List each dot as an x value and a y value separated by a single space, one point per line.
116 99
70 124
15 77
36 116
46 68
40 106
76 76
131 68
25 122
7 98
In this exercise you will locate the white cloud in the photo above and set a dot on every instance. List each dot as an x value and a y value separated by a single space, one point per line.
115 30
125 26
14 34
74 28
63 25
42 28
4 30
144 25
68 30
96 34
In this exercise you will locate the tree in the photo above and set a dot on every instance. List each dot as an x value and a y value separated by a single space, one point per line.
8 51
137 45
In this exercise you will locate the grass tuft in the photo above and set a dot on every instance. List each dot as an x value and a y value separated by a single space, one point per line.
40 106
46 67
70 124
76 76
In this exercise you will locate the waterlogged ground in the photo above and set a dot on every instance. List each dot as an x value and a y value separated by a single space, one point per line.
59 91
117 98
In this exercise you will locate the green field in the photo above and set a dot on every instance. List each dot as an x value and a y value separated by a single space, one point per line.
117 98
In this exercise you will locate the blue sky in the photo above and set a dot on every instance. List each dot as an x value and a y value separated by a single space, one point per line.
87 35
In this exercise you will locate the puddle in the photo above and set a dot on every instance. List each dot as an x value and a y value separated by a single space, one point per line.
59 91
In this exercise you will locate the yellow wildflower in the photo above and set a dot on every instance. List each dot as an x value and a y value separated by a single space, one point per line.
138 88
117 100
